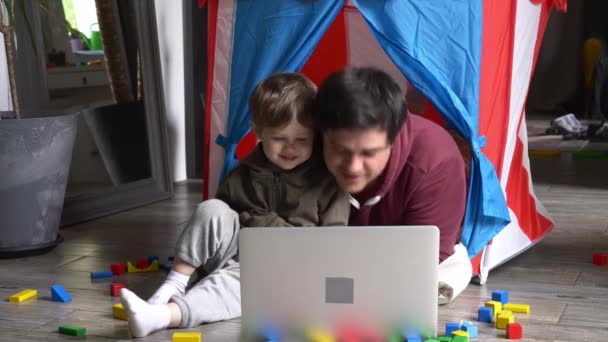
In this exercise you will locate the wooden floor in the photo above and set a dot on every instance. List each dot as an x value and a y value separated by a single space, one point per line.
567 293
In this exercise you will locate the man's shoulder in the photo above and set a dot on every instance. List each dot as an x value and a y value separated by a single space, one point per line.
432 145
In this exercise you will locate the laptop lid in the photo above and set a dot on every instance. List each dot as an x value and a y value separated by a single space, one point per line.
327 278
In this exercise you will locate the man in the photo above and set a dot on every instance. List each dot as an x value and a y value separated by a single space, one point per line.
399 169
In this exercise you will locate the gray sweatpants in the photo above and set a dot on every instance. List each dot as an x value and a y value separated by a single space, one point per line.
209 243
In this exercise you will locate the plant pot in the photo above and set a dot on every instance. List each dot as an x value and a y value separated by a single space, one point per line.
119 131
76 44
35 156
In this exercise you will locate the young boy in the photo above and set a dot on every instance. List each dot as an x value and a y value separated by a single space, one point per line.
282 183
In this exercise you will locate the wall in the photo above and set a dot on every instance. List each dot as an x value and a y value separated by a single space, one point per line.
169 19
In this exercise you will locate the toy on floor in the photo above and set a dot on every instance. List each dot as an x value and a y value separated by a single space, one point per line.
514 331
451 327
59 294
103 274
500 296
23 296
73 330
115 289
469 328
522 308
187 337
118 269
600 259
460 336
118 311
503 319
153 267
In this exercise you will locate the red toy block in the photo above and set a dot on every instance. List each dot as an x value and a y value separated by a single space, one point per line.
600 259
118 269
115 289
514 331
142 263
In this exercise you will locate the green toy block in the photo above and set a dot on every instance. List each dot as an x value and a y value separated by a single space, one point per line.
72 330
431 340
444 339
460 339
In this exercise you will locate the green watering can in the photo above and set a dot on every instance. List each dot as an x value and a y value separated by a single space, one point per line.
94 43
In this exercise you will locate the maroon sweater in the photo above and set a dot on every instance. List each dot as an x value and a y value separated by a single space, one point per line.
423 184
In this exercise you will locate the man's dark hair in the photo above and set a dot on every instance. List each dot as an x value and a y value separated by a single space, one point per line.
361 98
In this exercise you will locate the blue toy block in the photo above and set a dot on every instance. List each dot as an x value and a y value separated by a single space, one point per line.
104 274
451 327
484 314
59 294
170 258
500 296
412 336
152 258
470 328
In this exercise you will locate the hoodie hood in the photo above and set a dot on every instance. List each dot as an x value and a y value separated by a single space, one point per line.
400 151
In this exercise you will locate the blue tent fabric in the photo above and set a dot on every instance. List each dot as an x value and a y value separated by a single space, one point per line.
436 44
278 36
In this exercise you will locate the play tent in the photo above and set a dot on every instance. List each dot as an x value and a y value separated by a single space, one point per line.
471 59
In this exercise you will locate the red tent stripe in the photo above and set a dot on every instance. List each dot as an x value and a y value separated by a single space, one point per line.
495 83
211 34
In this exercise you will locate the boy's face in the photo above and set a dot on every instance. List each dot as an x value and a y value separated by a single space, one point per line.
356 157
288 146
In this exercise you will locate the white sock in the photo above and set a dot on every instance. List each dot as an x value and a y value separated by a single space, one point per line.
174 284
144 318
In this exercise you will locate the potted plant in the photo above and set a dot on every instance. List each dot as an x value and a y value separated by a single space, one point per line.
35 155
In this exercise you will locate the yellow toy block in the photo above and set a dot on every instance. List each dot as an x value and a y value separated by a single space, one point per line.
316 335
187 337
504 318
153 267
496 307
523 308
119 312
22 296
461 333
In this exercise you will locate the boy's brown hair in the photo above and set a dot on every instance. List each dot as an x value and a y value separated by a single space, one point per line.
280 97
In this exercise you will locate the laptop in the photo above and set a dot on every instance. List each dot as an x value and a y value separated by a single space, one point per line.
327 280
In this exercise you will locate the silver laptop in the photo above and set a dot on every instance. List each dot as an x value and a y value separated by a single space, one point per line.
327 279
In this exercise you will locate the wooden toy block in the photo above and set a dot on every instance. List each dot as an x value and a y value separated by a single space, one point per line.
503 320
413 337
119 312
118 269
444 339
59 294
187 337
460 335
23 296
152 258
600 259
522 308
115 289
104 274
514 331
316 335
142 263
470 328
451 327
73 330
500 296
496 307
151 268
484 314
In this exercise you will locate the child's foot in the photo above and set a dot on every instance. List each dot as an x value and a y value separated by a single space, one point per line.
175 284
144 318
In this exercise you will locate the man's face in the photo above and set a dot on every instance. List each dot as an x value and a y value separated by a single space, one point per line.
356 157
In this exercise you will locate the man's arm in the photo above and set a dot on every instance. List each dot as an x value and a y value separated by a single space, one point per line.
440 200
